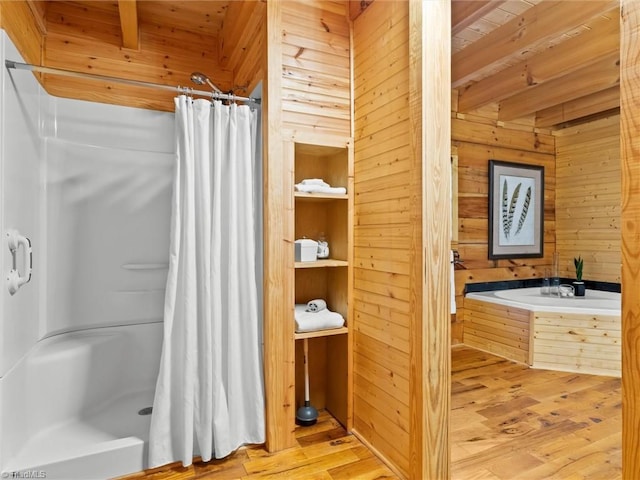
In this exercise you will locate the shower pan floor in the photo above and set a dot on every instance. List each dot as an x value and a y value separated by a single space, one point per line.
108 443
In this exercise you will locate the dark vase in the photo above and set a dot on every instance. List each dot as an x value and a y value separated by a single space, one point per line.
579 289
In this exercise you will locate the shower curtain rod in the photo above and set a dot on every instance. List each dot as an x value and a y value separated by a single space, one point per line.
136 83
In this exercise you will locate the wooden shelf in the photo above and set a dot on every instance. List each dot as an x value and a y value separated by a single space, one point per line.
329 216
329 262
321 333
320 196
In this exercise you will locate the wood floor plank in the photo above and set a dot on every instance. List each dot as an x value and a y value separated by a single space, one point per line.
508 421
536 424
366 469
504 467
345 442
309 468
275 462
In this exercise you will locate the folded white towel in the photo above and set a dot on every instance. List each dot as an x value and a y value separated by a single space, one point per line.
312 321
320 189
316 305
315 181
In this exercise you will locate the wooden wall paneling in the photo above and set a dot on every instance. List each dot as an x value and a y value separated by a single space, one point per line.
316 62
378 432
383 233
630 232
588 199
472 179
279 345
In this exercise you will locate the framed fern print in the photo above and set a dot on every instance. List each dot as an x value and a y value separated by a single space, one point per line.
516 210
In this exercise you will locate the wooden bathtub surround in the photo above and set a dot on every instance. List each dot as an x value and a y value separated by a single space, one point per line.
555 341
503 330
577 343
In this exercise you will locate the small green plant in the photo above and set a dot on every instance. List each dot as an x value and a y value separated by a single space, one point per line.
578 263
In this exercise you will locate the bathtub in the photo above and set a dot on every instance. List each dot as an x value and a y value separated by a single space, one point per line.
575 334
594 301
77 404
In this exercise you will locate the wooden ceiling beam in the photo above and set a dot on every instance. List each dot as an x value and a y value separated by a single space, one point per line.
598 102
601 40
465 13
598 76
128 10
541 22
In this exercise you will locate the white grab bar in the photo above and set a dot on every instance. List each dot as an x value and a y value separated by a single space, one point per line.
14 279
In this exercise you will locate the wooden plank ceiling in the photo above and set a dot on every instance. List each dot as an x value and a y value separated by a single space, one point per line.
156 41
552 63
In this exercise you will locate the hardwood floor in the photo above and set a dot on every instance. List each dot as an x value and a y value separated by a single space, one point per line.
513 422
508 422
325 452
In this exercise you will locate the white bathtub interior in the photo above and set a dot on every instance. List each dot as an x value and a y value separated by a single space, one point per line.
531 298
90 185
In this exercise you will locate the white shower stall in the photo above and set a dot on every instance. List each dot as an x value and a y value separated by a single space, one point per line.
90 186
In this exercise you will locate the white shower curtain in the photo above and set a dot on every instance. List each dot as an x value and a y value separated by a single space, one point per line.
209 395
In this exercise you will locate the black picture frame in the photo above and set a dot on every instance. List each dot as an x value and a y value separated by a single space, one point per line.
516 210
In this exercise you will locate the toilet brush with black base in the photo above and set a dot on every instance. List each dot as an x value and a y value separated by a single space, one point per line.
307 414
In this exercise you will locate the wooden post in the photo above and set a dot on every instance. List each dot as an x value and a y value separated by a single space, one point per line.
279 347
630 152
430 106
